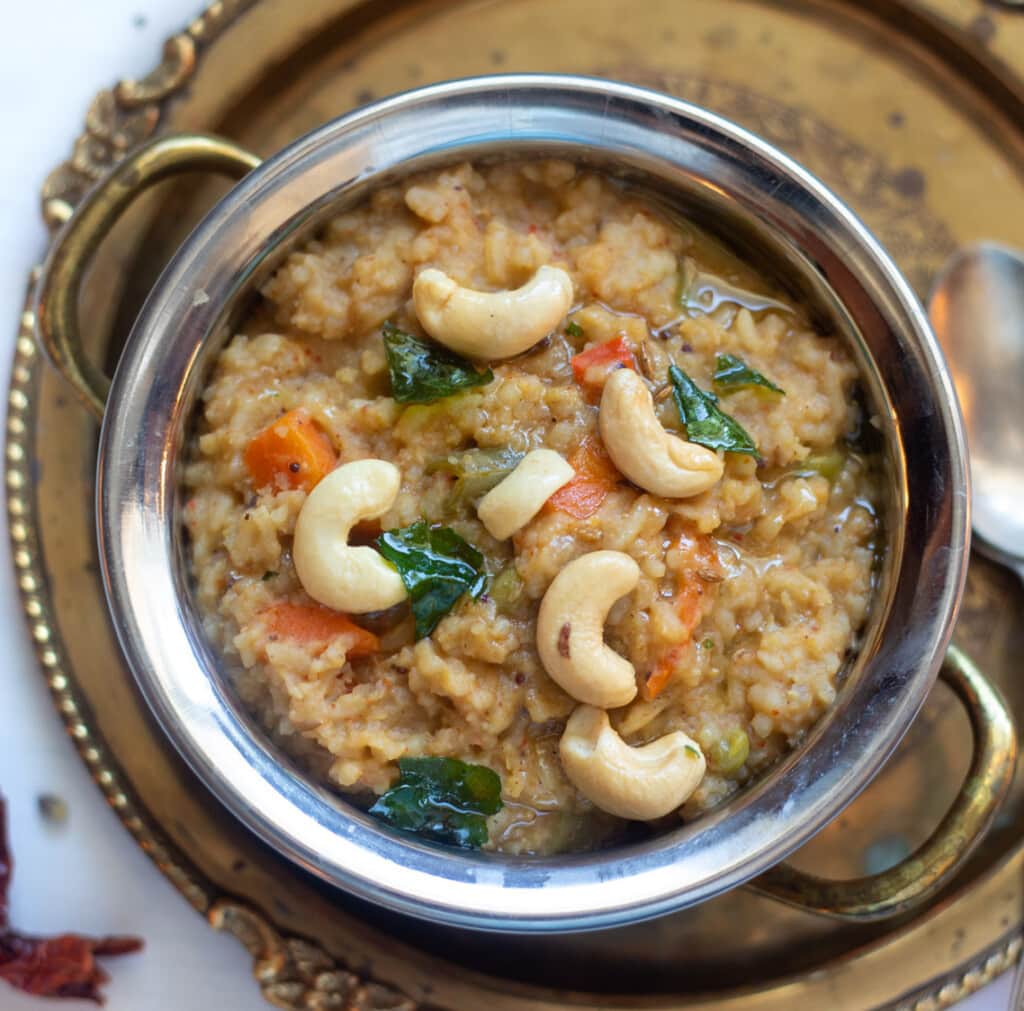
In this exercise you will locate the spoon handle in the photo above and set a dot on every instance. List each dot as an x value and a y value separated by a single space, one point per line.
1017 996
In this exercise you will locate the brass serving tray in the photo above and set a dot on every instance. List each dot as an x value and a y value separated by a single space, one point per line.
914 112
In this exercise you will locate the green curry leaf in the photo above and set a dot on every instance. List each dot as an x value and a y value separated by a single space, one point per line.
443 799
437 567
733 373
705 423
422 371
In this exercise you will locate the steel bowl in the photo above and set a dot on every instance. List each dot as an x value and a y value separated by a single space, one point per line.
767 207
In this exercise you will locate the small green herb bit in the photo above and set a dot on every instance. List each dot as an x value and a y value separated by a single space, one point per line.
422 371
437 567
732 373
507 589
729 752
828 465
477 471
573 329
705 423
443 799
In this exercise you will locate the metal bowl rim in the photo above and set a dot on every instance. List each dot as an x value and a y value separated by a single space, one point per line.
136 482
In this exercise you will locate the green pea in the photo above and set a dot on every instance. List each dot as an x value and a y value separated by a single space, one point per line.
729 752
828 465
506 589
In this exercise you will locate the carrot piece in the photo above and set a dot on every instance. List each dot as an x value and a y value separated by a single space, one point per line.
595 477
688 607
702 558
290 452
311 624
659 676
696 579
591 367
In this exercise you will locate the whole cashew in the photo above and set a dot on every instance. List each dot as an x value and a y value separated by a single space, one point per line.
636 783
650 457
491 324
355 580
510 505
570 629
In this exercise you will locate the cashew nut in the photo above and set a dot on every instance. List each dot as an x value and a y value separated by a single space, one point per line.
491 324
356 580
637 783
639 446
510 505
570 629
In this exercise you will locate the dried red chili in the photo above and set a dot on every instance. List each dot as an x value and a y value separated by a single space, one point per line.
63 966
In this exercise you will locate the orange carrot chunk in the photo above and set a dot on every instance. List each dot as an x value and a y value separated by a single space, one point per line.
311 624
595 477
290 452
688 607
591 367
697 581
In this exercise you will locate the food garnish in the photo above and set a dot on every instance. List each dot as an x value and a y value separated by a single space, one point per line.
437 567
423 371
443 799
705 423
732 373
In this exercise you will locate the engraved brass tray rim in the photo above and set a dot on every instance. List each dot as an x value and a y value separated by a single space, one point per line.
288 968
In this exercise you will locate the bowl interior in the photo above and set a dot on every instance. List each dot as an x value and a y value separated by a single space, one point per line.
753 240
770 213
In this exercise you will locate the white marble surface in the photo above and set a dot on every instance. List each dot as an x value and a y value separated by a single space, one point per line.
88 875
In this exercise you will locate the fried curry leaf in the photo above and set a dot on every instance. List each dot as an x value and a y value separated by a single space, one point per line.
705 423
732 373
476 471
422 371
437 567
443 799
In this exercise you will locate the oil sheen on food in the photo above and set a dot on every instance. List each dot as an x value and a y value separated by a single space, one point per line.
750 597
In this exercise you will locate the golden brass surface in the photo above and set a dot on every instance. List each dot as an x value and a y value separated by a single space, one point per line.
902 886
74 246
914 113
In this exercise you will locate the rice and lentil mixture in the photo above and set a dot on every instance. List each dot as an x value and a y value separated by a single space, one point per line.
750 594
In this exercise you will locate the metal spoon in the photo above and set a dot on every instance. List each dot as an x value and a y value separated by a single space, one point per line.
977 311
